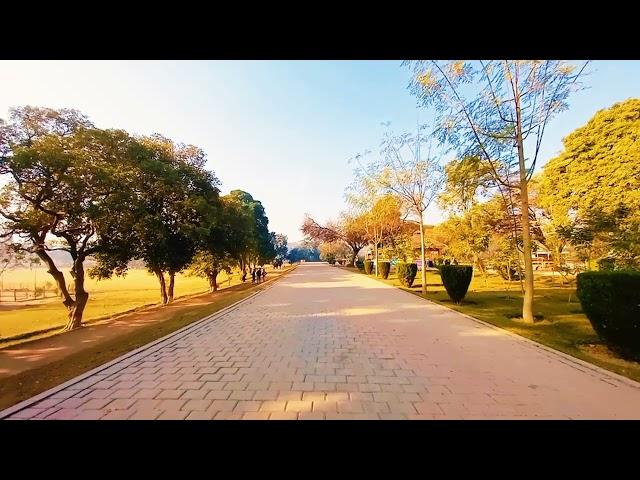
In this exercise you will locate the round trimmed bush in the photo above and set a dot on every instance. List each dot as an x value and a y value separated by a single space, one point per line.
456 280
368 266
360 264
383 269
407 273
611 301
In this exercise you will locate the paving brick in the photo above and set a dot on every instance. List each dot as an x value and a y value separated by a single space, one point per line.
265 395
298 406
256 416
285 415
223 405
273 406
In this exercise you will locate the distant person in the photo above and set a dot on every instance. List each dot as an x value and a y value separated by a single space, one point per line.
253 275
244 277
264 273
430 263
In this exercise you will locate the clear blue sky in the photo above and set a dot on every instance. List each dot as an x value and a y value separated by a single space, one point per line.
282 131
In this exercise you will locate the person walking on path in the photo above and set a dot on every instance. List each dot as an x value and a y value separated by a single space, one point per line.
253 275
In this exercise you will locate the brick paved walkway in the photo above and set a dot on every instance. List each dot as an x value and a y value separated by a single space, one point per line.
324 343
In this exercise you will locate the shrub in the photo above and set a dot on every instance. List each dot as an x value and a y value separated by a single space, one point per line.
368 267
407 273
611 301
360 264
383 269
456 280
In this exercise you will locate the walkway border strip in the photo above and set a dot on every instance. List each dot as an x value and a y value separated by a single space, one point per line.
171 337
571 361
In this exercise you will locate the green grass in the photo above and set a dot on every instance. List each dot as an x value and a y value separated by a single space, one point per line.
24 385
106 298
563 326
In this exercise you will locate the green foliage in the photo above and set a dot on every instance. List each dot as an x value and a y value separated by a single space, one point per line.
259 248
611 301
592 189
331 259
360 265
280 247
383 269
456 280
368 267
306 253
406 273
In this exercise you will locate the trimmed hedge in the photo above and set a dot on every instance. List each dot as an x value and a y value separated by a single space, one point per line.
360 264
368 267
611 301
383 269
456 280
407 273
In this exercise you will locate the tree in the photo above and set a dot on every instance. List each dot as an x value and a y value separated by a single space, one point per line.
591 191
416 179
498 110
280 248
308 253
348 230
467 180
379 212
174 202
208 265
333 251
258 248
67 190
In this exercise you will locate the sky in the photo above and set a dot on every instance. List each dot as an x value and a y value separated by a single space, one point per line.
280 130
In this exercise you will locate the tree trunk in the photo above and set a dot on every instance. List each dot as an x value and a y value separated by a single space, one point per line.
172 282
527 304
76 309
213 285
354 255
163 286
422 254
376 251
58 277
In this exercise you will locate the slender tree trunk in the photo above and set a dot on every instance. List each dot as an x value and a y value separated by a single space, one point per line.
163 286
422 254
76 309
376 254
172 283
527 304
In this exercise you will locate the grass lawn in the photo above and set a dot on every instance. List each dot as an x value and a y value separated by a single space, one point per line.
107 297
564 327
26 384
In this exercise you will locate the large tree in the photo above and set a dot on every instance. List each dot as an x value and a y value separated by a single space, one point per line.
259 248
591 191
349 229
498 110
177 203
67 190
